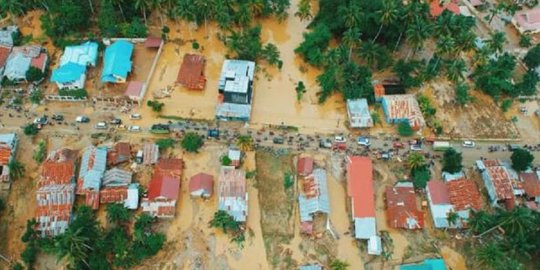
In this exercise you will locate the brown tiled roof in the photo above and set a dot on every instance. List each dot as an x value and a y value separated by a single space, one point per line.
401 208
531 184
113 194
57 173
119 154
191 74
464 194
304 166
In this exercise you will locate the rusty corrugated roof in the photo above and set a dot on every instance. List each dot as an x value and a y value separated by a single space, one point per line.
402 211
464 194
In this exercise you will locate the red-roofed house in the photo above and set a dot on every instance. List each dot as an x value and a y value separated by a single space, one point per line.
361 192
527 21
531 185
56 194
498 182
439 203
201 185
401 208
437 7
134 90
191 73
304 166
40 62
164 188
152 42
464 197
169 167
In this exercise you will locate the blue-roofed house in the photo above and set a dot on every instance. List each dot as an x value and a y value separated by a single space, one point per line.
117 62
427 264
93 165
359 115
313 200
71 73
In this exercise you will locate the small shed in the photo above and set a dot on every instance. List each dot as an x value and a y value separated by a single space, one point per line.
304 166
152 42
201 185
235 156
134 90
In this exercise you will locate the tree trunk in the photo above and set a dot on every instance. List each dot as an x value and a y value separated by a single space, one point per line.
378 33
122 12
350 53
144 16
398 41
161 15
91 7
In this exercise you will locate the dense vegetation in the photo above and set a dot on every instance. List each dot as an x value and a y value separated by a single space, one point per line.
86 245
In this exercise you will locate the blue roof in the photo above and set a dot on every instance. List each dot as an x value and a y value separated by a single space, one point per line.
316 204
68 73
428 264
117 61
92 176
84 54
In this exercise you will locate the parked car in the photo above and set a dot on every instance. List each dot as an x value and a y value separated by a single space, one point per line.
134 128
468 144
513 147
135 116
398 145
101 125
340 139
57 117
82 119
416 147
213 133
363 141
278 140
116 121
43 120
325 143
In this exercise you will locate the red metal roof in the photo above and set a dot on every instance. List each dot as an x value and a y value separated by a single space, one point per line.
304 166
360 186
531 184
436 7
163 186
202 181
191 73
152 42
5 153
501 182
4 53
92 199
120 153
401 207
438 192
113 194
464 194
134 89
57 172
40 61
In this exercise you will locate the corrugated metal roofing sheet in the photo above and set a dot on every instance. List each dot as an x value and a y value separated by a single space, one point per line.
117 61
314 198
191 73
358 111
117 177
84 54
360 186
232 193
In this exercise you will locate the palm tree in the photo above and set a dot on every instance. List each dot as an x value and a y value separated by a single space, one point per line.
370 52
418 32
142 5
416 160
452 218
496 42
244 143
488 256
304 10
352 15
339 265
480 221
387 15
119 3
74 246
117 213
465 40
517 222
13 7
16 169
256 7
224 221
455 69
351 38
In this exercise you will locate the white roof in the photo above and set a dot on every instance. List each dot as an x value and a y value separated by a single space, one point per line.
132 200
364 228
375 245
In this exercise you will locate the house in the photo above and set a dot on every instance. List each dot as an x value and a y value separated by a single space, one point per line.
359 115
527 21
427 264
437 7
153 42
313 199
235 156
6 36
201 185
150 153
191 73
117 62
232 193
164 188
235 90
304 166
21 59
71 73
401 208
93 164
464 197
531 185
126 194
498 181
162 195
134 90
439 203
403 108
362 195
8 148
55 195
120 153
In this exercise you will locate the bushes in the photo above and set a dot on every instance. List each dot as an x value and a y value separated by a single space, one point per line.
75 93
30 130
404 129
34 74
155 105
314 45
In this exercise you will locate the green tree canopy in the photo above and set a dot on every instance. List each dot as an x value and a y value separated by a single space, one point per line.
521 159
117 213
452 161
192 142
405 129
532 58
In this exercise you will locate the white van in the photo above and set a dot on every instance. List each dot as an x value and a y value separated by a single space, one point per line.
101 125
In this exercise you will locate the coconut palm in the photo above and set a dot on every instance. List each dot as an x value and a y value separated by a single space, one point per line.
352 15
455 69
351 38
304 10
417 33
339 265
143 6
480 221
370 52
244 143
256 7
465 40
452 218
416 161
73 246
16 169
13 7
496 42
387 15
488 256
519 221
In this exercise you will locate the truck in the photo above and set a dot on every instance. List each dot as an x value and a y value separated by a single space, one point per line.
441 145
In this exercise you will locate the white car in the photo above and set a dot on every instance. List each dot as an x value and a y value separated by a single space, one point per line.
340 139
468 144
101 125
364 141
135 116
134 128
